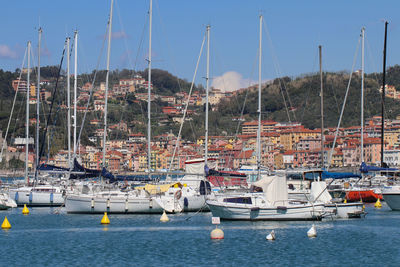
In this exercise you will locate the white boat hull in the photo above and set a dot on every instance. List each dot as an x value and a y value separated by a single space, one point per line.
345 210
391 195
111 204
33 198
231 211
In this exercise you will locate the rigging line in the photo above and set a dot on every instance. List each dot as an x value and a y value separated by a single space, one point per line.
278 73
12 108
309 87
91 90
344 103
242 110
168 45
187 103
51 105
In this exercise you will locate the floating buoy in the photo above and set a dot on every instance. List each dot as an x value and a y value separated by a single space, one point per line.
312 232
164 217
271 236
105 219
345 200
6 224
25 210
378 204
217 233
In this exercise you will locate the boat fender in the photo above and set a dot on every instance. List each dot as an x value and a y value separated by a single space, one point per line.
16 197
51 197
151 203
185 202
255 209
30 197
108 203
92 203
126 205
178 194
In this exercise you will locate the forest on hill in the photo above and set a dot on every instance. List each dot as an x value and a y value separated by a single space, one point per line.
283 99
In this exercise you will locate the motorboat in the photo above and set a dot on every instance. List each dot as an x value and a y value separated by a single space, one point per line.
269 202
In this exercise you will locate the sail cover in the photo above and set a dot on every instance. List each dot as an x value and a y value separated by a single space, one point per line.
364 168
274 188
339 175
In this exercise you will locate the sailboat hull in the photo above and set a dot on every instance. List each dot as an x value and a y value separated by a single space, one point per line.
34 197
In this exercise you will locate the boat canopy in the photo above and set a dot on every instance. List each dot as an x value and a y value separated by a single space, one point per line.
153 189
274 188
339 175
364 168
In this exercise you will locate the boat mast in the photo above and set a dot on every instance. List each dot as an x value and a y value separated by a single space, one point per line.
75 88
362 94
69 103
383 95
38 103
106 89
207 89
322 107
149 93
27 114
259 102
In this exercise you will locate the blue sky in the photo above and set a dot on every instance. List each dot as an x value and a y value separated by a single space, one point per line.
295 29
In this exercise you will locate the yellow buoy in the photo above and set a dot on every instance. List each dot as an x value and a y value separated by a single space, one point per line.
345 200
378 204
25 210
6 224
105 219
217 234
164 217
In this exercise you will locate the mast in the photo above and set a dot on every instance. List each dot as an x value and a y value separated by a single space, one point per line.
38 102
69 103
207 89
27 114
383 95
149 93
362 94
322 108
75 88
259 102
106 89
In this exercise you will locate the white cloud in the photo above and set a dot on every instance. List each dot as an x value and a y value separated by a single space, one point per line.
231 81
7 52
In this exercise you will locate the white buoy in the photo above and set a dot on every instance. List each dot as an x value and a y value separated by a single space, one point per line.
217 234
312 232
271 236
164 217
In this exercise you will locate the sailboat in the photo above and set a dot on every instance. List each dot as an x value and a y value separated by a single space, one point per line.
363 190
35 193
272 202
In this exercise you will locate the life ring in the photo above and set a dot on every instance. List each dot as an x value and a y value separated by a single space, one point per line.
178 194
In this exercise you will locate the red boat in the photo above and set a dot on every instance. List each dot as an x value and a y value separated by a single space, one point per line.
367 195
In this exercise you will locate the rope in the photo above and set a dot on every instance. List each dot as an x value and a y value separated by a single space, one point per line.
12 109
344 105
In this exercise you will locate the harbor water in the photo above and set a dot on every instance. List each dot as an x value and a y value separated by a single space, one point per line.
51 237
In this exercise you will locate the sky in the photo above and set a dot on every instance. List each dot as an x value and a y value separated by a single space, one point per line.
292 32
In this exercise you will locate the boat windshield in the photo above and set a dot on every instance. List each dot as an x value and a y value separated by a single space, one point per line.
238 200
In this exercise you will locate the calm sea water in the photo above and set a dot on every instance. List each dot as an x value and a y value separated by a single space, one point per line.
44 238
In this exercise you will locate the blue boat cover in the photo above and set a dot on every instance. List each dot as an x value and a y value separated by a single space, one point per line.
339 175
364 168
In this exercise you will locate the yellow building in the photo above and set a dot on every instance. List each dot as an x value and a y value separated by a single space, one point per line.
288 138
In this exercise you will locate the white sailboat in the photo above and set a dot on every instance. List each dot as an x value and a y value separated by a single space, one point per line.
35 194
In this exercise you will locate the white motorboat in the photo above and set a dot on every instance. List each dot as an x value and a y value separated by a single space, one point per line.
391 195
320 194
271 204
